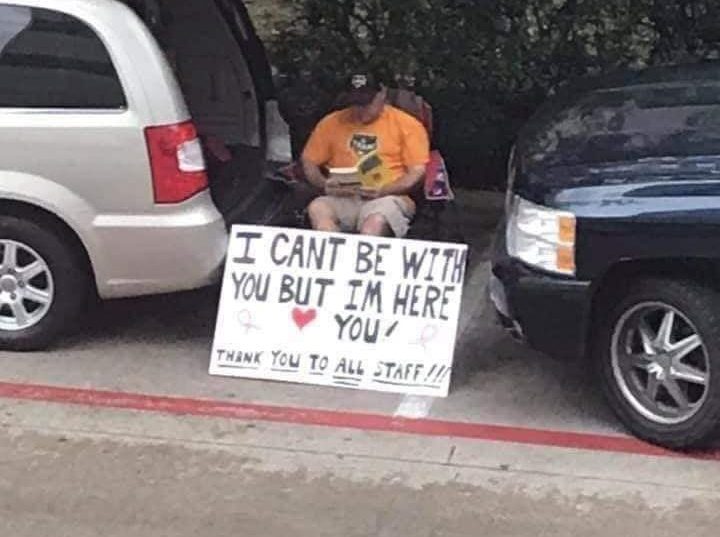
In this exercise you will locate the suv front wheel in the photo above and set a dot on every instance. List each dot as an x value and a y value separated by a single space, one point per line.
43 284
659 357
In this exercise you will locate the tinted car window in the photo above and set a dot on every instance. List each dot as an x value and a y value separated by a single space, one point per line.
52 60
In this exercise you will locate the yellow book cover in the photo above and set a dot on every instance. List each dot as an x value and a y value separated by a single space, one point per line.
373 172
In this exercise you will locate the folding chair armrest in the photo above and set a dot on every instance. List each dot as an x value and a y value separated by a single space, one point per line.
437 179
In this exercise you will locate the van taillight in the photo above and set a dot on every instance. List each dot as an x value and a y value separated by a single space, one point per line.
176 159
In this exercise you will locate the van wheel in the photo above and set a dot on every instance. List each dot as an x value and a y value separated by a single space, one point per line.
659 357
43 285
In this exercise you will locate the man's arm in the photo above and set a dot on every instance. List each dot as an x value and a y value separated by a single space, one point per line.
314 174
317 152
407 183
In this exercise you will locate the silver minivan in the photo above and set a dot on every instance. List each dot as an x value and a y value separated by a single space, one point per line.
107 111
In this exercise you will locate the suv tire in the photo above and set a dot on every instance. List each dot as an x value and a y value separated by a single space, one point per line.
43 284
658 351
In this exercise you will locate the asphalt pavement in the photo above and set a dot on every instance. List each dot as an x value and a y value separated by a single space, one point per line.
121 431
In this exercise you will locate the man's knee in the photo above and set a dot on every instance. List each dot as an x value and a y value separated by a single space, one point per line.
321 214
376 225
319 208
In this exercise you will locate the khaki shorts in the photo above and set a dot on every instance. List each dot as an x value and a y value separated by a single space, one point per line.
351 213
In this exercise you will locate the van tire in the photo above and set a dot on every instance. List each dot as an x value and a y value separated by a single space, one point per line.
69 277
700 305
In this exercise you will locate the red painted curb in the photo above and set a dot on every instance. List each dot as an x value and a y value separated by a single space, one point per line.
336 419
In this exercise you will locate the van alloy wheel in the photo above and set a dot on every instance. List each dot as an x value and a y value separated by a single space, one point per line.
660 363
26 286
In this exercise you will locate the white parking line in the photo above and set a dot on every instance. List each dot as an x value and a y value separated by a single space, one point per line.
477 280
414 407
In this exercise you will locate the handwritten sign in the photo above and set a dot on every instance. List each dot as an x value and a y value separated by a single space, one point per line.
339 310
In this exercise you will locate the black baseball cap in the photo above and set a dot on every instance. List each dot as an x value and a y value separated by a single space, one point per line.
361 90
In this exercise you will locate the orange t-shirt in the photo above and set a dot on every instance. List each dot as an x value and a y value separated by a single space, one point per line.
400 140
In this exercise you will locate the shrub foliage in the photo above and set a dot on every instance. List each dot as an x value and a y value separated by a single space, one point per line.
485 65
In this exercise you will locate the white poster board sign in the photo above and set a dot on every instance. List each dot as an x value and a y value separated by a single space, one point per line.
339 310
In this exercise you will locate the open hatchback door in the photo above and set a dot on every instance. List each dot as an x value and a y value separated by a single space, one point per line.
223 69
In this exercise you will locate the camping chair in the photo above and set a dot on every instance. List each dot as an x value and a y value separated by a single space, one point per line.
437 195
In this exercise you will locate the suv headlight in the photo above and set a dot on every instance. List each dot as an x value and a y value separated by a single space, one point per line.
541 237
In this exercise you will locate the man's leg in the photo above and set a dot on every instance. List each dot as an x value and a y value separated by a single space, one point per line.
322 215
330 213
375 225
386 217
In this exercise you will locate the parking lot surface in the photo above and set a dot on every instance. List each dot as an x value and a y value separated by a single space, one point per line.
121 431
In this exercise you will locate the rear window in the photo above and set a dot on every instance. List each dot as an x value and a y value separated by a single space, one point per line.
52 60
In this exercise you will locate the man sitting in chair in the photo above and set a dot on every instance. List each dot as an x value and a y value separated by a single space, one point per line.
394 140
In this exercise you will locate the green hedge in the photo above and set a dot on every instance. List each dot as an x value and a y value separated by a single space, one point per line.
484 65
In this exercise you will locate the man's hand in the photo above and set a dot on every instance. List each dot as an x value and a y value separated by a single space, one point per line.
370 193
331 187
407 183
402 187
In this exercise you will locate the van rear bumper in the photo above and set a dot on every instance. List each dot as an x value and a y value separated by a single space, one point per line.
181 249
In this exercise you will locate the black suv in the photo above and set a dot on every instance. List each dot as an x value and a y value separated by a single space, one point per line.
610 247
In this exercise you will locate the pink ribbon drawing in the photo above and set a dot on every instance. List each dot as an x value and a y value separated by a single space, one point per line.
427 336
246 321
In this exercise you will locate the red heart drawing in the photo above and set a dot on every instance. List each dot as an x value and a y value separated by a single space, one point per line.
303 318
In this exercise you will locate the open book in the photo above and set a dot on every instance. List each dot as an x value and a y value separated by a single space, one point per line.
371 172
346 176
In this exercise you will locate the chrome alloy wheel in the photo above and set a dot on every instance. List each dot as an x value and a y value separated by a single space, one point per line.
26 286
660 363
